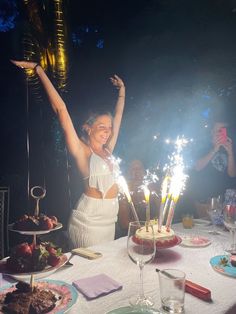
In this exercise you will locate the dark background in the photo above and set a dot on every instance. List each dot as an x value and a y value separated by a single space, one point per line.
178 61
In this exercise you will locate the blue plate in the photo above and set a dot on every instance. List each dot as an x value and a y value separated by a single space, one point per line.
133 310
227 270
66 293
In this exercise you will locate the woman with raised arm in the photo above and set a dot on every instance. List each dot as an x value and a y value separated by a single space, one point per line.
93 220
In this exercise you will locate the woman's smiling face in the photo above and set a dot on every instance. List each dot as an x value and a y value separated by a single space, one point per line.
101 129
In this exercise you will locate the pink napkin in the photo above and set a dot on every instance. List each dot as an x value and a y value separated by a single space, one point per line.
4 281
96 286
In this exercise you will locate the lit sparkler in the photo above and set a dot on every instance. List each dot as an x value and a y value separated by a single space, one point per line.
177 180
124 186
173 182
177 184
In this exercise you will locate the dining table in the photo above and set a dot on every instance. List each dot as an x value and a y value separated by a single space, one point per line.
194 261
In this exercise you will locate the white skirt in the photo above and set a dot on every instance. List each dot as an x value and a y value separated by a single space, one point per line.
93 221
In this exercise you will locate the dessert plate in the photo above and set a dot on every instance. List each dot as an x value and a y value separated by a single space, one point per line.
223 268
37 275
65 293
195 241
32 232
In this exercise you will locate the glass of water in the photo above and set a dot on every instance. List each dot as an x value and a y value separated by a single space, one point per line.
230 224
172 290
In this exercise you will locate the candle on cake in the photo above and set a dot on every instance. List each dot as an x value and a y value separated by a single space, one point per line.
177 183
148 211
164 194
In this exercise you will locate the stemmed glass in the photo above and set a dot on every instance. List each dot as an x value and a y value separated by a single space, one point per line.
141 251
214 211
230 223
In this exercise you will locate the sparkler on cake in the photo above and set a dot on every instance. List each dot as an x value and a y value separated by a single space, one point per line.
124 187
172 186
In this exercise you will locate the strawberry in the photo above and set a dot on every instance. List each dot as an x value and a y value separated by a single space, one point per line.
53 260
54 220
46 223
32 246
24 217
51 250
23 250
39 257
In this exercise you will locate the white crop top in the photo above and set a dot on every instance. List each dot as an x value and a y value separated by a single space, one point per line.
101 176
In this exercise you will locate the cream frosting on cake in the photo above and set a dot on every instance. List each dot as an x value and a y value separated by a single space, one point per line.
162 236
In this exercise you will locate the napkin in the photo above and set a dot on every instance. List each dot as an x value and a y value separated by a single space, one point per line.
96 286
4 281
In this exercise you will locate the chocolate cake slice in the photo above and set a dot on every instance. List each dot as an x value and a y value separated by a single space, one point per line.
25 301
42 301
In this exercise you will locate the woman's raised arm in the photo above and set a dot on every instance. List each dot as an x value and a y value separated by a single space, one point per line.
73 142
116 81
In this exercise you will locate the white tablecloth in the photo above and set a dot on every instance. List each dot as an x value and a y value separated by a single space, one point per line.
116 264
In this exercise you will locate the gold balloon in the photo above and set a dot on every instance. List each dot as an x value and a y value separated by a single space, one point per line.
45 45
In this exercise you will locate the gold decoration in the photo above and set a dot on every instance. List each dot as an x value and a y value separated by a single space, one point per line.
46 47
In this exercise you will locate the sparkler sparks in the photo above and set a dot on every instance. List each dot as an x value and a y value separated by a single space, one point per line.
175 170
124 187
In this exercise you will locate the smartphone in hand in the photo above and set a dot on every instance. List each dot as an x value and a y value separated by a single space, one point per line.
223 135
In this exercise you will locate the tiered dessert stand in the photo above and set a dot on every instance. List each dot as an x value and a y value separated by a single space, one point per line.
65 293
46 272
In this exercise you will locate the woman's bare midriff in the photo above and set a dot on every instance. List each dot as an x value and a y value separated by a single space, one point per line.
111 193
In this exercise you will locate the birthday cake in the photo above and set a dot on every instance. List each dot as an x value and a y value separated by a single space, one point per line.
163 238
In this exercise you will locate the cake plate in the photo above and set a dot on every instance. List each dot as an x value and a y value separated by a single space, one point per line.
169 244
164 245
32 232
49 270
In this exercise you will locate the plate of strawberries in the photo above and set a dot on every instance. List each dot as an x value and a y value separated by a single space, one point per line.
41 259
29 225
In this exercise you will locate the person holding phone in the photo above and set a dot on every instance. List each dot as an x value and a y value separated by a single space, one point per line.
214 169
221 155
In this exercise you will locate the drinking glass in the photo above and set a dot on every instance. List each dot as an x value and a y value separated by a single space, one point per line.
172 290
230 223
141 252
214 211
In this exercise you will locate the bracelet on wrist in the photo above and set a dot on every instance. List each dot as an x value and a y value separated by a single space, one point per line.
121 96
36 65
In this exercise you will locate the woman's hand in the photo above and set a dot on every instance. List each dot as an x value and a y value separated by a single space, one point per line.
25 64
228 146
217 145
117 82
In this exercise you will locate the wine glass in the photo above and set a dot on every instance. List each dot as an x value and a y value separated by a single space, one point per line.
215 208
141 251
230 223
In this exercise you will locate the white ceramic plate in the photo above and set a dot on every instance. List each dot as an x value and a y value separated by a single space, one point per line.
38 232
66 294
37 275
195 241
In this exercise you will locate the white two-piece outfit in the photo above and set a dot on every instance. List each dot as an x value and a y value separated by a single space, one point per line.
93 220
